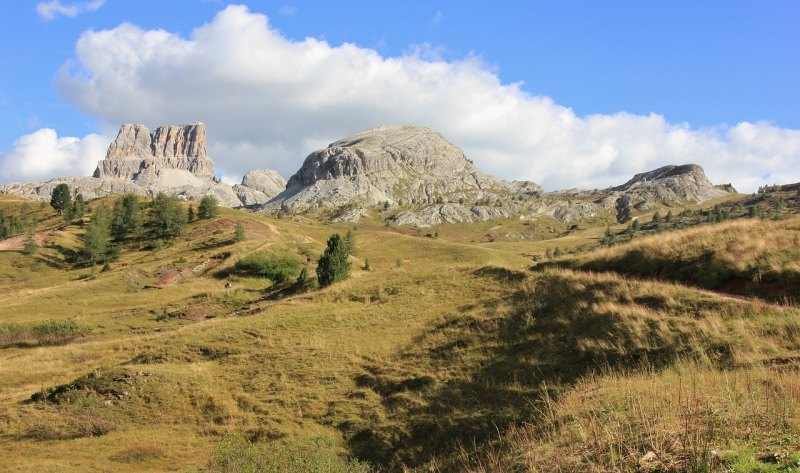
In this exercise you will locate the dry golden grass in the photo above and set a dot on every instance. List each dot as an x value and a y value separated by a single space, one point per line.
747 257
685 418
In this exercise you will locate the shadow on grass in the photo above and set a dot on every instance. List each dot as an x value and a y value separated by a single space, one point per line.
486 369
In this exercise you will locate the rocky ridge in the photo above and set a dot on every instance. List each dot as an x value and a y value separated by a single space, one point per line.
422 179
410 174
396 166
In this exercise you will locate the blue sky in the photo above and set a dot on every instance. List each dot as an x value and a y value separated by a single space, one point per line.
682 74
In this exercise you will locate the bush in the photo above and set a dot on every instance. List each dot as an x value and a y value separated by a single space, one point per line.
12 334
236 454
53 332
276 268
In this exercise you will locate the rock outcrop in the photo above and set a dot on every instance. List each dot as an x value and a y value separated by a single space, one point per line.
266 181
395 166
88 187
666 186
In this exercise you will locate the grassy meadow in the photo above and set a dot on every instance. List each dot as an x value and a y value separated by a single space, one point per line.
453 352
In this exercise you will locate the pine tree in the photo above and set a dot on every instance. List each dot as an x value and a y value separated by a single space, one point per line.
636 226
125 219
367 267
238 234
557 252
167 217
190 213
96 240
669 217
350 242
77 209
333 266
656 217
208 207
60 198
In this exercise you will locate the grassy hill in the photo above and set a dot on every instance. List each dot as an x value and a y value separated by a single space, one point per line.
449 354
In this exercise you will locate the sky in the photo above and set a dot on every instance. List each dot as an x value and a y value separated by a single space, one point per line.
566 94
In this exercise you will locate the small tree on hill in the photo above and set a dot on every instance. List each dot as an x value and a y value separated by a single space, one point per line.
96 244
60 198
238 234
333 266
76 210
208 207
167 217
190 213
656 217
350 242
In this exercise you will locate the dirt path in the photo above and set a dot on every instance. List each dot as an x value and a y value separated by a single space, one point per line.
18 242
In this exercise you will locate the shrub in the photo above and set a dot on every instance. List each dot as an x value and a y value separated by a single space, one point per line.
238 234
275 268
53 332
236 454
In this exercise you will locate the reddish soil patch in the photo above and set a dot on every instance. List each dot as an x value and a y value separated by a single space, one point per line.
168 278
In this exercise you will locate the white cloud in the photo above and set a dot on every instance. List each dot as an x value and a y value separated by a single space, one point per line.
42 155
53 8
269 101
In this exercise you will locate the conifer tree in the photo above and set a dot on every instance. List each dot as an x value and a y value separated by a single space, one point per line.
96 244
125 219
333 266
208 207
60 198
167 217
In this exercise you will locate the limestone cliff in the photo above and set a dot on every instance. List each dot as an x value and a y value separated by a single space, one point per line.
141 156
395 166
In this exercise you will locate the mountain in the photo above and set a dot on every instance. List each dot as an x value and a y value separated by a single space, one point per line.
398 166
171 159
417 177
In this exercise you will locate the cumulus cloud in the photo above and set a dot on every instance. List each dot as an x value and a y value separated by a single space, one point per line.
268 101
53 8
42 155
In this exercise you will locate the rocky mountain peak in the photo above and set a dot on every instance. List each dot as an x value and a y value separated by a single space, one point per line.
143 156
394 164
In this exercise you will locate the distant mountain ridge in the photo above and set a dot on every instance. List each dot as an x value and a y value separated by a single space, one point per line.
426 180
410 173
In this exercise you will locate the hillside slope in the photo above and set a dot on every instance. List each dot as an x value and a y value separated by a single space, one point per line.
447 355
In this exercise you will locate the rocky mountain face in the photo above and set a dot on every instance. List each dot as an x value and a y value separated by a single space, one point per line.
395 166
422 179
171 159
144 157
666 185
